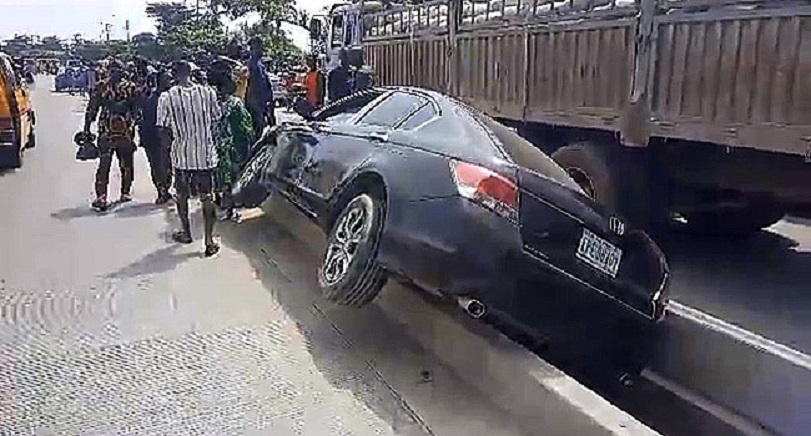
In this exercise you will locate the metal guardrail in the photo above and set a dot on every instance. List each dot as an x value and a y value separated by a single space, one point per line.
432 16
438 16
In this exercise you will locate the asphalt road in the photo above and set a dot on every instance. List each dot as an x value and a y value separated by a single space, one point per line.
106 327
761 283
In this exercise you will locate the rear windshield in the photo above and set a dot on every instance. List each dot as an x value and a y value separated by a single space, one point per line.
523 152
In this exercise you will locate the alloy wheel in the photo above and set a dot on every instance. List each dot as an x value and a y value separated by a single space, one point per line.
350 232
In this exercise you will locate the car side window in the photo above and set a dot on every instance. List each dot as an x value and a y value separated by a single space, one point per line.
393 109
417 119
343 110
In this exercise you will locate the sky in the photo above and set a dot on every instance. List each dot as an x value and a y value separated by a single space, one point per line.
65 18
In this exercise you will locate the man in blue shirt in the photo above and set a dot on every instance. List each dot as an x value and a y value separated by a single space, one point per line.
259 98
156 152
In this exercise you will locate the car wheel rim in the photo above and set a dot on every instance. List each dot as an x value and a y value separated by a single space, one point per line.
350 233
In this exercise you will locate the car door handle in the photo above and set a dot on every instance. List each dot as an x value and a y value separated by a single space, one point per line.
378 137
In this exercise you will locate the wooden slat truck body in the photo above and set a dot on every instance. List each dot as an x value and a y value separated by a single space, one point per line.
695 107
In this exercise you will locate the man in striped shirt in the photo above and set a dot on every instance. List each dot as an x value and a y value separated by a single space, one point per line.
186 115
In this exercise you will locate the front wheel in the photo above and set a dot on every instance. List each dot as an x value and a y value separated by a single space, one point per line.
350 274
12 158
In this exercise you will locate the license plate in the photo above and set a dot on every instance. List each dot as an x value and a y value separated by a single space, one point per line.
599 253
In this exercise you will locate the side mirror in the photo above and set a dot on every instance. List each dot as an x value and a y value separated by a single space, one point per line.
316 29
305 109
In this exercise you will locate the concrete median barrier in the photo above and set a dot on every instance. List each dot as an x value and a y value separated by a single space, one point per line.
542 397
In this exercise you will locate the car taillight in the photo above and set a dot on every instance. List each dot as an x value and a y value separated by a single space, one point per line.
486 187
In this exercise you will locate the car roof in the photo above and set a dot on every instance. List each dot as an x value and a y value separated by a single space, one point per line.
467 126
455 132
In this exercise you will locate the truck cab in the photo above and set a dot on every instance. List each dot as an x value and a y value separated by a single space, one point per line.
342 29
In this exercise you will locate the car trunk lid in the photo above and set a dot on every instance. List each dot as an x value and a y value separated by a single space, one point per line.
554 222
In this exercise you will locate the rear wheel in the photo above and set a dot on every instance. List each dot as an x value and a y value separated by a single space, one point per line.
12 158
617 177
350 274
588 165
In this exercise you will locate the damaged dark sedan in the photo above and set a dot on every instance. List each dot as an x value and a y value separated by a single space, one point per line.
412 184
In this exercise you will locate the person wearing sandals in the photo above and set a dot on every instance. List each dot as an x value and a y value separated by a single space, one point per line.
233 133
186 116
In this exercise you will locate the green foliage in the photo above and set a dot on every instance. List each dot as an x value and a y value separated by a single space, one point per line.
268 10
97 50
184 31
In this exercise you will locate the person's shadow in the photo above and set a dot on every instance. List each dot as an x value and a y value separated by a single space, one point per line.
132 210
164 260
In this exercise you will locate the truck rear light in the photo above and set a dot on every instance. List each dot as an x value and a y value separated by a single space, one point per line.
486 187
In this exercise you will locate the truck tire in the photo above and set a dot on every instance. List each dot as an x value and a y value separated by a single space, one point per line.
350 274
13 158
588 165
734 222
619 178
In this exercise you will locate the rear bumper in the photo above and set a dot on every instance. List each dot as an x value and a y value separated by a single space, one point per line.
458 248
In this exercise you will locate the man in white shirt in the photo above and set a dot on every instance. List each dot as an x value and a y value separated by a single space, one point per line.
186 116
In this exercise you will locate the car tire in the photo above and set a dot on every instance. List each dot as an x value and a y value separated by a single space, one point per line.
734 222
15 159
350 274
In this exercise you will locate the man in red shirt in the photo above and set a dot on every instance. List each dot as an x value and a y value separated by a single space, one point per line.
314 83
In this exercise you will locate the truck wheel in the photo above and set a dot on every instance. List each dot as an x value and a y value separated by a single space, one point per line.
588 165
14 158
349 273
734 222
616 177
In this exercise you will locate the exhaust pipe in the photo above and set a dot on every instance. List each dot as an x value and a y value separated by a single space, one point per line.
475 308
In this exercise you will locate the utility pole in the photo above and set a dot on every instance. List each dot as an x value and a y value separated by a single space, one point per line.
106 28
127 28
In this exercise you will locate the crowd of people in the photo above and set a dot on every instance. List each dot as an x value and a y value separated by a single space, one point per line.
196 121
196 125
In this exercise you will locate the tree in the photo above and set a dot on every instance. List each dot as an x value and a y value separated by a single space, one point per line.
146 45
51 43
182 31
169 15
268 10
